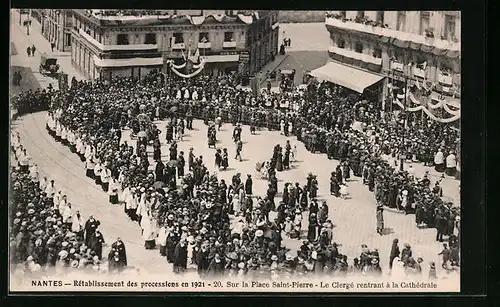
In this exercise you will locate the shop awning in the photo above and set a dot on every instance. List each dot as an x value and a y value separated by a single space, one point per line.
355 79
127 62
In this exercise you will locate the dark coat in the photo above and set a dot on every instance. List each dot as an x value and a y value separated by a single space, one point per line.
248 186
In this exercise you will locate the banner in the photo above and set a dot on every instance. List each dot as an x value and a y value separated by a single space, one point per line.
199 67
456 114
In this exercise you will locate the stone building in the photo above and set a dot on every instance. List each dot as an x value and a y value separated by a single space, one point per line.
132 43
56 26
393 47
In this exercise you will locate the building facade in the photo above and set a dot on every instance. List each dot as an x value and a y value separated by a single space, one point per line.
120 43
301 16
56 26
418 47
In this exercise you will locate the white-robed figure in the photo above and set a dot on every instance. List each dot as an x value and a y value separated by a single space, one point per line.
70 136
15 140
236 204
88 151
113 191
162 240
282 126
78 224
64 133
179 94
105 178
43 183
57 198
239 226
58 130
34 175
50 189
439 161
142 210
97 172
63 203
67 215
195 95
148 231
398 269
131 202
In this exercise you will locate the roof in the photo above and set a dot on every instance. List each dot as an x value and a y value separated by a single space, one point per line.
401 39
352 78
146 20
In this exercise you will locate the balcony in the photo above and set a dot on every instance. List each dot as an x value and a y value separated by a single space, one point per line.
228 44
103 47
206 45
178 46
418 72
398 38
445 80
355 55
397 66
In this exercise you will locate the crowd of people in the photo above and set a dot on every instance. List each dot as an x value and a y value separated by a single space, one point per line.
221 228
46 232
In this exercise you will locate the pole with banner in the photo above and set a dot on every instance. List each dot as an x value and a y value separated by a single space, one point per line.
405 115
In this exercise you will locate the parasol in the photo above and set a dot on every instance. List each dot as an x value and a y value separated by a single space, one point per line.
142 134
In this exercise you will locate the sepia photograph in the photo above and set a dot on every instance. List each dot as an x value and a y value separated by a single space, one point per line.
234 151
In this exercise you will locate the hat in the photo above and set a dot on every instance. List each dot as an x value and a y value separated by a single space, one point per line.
259 233
405 192
274 258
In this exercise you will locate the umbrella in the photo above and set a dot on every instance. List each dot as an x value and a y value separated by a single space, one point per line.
142 134
172 163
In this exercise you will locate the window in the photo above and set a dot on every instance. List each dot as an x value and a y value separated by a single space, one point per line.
358 47
68 39
178 38
360 14
401 21
380 16
150 38
424 22
122 39
341 43
204 37
449 27
377 52
228 37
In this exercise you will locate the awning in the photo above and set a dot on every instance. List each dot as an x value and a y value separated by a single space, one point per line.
346 76
127 62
